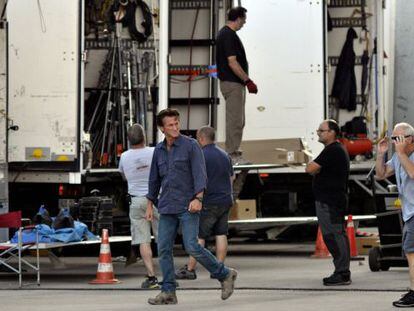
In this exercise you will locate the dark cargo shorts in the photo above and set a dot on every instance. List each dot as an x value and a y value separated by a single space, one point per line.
213 221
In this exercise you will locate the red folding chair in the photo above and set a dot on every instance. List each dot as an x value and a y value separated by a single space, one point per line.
9 251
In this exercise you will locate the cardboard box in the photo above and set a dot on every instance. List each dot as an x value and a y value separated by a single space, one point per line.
243 209
364 244
264 151
290 157
294 144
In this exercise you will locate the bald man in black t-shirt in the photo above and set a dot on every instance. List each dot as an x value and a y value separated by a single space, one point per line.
330 172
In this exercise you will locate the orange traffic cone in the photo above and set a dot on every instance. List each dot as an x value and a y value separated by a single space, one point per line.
350 231
321 251
105 274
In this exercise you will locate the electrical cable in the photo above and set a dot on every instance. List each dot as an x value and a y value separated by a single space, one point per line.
191 67
154 42
42 18
178 81
3 12
131 21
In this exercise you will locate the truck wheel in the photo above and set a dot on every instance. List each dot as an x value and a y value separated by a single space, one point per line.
385 266
374 257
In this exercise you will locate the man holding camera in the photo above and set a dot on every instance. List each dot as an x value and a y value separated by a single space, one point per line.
402 166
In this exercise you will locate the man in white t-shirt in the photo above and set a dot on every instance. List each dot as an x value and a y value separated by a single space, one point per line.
135 167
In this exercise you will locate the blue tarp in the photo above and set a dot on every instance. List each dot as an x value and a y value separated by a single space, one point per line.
65 235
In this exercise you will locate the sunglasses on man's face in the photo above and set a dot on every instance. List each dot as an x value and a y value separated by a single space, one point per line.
394 138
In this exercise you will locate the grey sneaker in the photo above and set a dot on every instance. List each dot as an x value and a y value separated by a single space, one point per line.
242 161
184 274
227 285
164 298
237 159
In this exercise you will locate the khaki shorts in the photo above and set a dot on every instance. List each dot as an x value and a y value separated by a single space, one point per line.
140 227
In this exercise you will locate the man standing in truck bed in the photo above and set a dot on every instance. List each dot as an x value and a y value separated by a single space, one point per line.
232 69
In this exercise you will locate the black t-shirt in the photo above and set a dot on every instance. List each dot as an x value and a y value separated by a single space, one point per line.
228 44
331 183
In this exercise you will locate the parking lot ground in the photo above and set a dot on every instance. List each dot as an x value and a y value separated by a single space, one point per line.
272 276
91 300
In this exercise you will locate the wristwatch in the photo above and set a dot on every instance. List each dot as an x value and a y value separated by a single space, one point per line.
200 199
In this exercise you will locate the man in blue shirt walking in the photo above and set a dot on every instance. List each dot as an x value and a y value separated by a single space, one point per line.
402 166
217 199
178 170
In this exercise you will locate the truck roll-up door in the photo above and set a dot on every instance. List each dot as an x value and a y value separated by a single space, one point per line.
284 43
44 81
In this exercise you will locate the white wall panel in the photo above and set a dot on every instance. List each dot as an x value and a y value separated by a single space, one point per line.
44 57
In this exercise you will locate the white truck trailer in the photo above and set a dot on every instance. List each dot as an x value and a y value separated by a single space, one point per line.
66 64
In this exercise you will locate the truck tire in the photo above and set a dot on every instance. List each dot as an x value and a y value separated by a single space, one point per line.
385 266
374 257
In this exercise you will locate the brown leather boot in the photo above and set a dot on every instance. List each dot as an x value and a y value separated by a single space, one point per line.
227 285
164 298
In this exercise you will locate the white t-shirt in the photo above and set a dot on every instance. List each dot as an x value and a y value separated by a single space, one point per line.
135 164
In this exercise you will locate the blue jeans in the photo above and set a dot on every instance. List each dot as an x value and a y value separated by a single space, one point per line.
167 231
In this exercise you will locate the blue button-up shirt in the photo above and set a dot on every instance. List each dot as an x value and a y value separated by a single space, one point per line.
179 173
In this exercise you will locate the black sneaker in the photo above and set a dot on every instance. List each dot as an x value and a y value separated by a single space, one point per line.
184 274
150 283
337 279
405 301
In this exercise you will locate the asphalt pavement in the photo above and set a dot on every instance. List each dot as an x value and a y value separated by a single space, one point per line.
272 276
